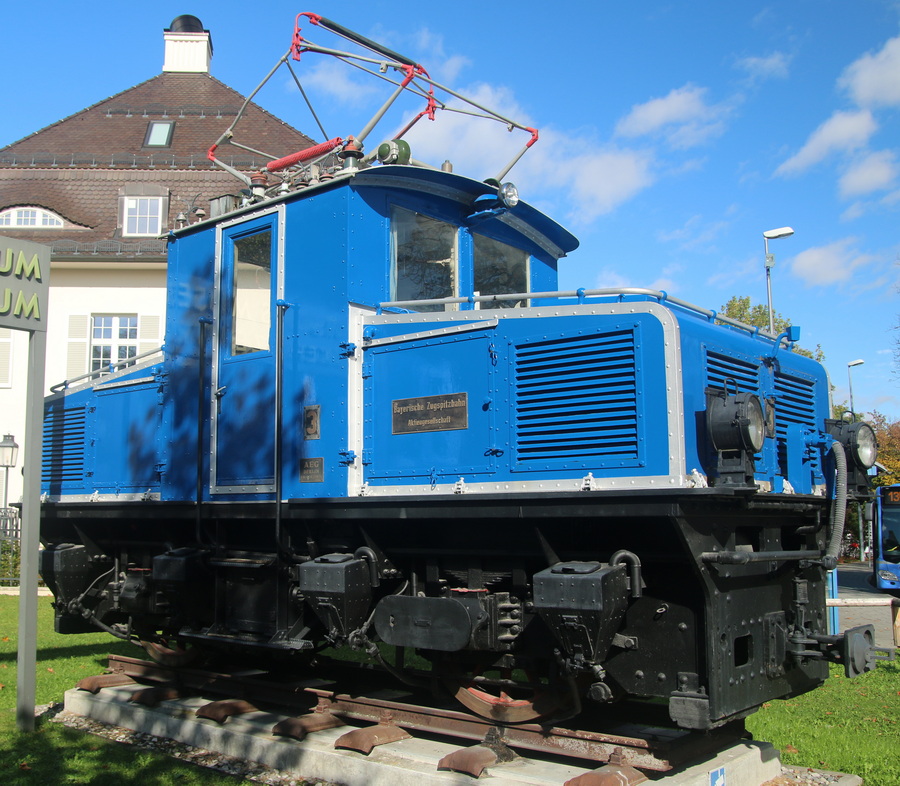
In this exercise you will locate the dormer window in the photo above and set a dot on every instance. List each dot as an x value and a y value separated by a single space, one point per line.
143 216
143 209
159 133
30 218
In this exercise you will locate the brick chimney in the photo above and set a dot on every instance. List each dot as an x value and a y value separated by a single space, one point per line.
188 46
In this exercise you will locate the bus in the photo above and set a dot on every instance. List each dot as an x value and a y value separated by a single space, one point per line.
886 539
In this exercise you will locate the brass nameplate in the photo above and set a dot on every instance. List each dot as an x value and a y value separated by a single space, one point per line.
312 470
430 413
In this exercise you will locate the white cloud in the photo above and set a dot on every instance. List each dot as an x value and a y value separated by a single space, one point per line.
856 210
774 66
473 145
696 232
843 131
666 285
333 79
441 67
601 181
588 186
831 264
737 274
682 116
874 79
610 279
874 172
669 278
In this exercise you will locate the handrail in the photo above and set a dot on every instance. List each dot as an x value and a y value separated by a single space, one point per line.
109 369
580 295
883 600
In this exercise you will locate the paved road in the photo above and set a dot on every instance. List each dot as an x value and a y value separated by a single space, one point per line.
853 583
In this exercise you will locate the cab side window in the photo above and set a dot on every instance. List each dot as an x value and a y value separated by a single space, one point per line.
251 315
499 269
424 258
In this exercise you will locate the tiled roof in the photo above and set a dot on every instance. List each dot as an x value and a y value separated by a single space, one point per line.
112 132
78 166
90 198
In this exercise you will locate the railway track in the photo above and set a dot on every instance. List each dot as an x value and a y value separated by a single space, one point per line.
383 716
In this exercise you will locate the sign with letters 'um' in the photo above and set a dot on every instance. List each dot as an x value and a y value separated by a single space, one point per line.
24 290
24 285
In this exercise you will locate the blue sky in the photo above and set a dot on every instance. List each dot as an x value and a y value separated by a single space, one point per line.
672 133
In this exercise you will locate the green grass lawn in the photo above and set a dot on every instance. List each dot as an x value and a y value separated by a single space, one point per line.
54 754
847 725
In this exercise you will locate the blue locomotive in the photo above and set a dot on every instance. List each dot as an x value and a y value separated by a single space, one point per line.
376 424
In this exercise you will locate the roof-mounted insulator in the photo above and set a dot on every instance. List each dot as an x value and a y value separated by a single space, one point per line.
351 150
258 184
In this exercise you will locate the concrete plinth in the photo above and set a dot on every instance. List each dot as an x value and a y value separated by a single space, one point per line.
411 762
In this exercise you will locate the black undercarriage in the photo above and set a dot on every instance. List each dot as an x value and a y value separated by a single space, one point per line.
523 606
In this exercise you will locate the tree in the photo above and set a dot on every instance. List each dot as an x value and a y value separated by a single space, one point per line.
888 435
741 309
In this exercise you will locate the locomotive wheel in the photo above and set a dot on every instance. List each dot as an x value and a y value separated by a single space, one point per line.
174 656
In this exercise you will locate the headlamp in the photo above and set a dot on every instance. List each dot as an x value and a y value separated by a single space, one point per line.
861 447
736 422
862 443
509 194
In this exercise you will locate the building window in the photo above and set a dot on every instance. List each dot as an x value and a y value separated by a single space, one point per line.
30 217
143 216
424 259
499 270
114 338
159 133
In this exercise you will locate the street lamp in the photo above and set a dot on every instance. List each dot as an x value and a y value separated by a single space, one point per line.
9 452
772 234
850 365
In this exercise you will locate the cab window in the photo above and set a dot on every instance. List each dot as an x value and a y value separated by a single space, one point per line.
424 258
251 287
499 269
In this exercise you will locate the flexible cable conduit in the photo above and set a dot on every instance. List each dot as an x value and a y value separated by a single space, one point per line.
839 508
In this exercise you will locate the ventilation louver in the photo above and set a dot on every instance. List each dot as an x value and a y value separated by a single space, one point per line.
576 401
63 454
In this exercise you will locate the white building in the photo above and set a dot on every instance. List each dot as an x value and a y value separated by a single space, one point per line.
102 188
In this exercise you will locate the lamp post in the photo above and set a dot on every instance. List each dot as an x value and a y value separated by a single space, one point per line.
9 452
850 365
772 234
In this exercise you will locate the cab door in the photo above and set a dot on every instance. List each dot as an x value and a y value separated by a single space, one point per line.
242 429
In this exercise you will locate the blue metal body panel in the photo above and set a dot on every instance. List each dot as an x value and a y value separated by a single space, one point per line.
106 439
548 397
795 386
564 395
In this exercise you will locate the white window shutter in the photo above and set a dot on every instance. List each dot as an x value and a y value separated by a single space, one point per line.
78 345
148 333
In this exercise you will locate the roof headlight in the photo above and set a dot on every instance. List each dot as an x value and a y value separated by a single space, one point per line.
509 194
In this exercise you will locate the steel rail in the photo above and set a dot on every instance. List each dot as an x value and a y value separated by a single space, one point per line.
648 748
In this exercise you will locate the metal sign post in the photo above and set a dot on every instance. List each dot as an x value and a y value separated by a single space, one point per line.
24 290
